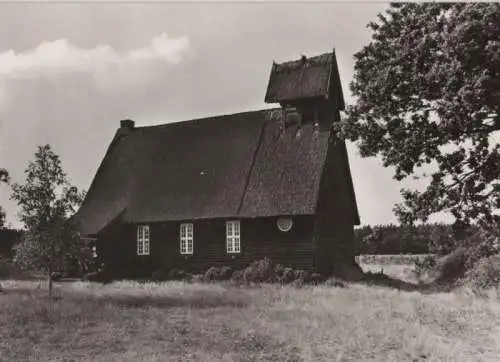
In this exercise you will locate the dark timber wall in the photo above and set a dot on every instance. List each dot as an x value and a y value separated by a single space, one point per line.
334 222
260 237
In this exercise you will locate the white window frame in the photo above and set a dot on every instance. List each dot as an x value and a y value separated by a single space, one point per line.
143 240
233 237
186 236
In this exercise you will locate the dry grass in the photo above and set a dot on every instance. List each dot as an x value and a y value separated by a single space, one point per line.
180 322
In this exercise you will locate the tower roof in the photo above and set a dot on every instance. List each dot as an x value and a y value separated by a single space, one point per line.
315 77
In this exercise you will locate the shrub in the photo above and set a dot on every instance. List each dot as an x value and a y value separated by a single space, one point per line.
316 279
159 276
307 276
260 271
218 274
177 274
225 273
481 244
302 276
211 274
424 265
485 274
298 283
263 271
298 274
237 277
288 276
451 267
279 270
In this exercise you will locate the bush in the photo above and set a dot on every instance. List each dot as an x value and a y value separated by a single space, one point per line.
218 274
288 276
481 245
298 283
260 271
237 277
424 265
316 279
298 274
279 270
451 267
263 271
159 276
225 273
211 274
485 274
177 274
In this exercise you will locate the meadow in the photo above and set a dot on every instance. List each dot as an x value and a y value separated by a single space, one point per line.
176 321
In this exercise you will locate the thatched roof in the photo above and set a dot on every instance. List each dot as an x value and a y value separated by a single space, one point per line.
315 77
239 165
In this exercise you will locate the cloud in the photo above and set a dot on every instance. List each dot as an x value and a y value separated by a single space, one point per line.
60 56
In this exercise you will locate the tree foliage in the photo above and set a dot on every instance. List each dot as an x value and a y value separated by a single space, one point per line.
436 238
47 200
427 90
8 238
401 239
4 178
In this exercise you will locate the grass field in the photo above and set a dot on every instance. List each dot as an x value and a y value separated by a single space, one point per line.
127 321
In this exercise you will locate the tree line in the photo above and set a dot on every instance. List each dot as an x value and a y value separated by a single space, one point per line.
436 238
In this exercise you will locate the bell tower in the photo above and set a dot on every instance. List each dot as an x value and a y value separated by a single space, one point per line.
309 86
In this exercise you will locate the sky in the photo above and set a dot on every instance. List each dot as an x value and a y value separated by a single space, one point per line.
69 72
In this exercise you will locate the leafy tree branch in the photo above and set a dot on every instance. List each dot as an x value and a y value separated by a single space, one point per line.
426 97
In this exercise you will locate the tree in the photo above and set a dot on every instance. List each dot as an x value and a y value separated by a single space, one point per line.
47 200
427 90
4 178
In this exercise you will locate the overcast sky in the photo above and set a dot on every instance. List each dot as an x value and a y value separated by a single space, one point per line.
69 72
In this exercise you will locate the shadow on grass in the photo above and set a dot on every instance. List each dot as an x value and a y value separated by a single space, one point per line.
26 293
195 301
383 280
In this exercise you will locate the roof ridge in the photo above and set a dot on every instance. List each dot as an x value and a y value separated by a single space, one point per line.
250 169
208 118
